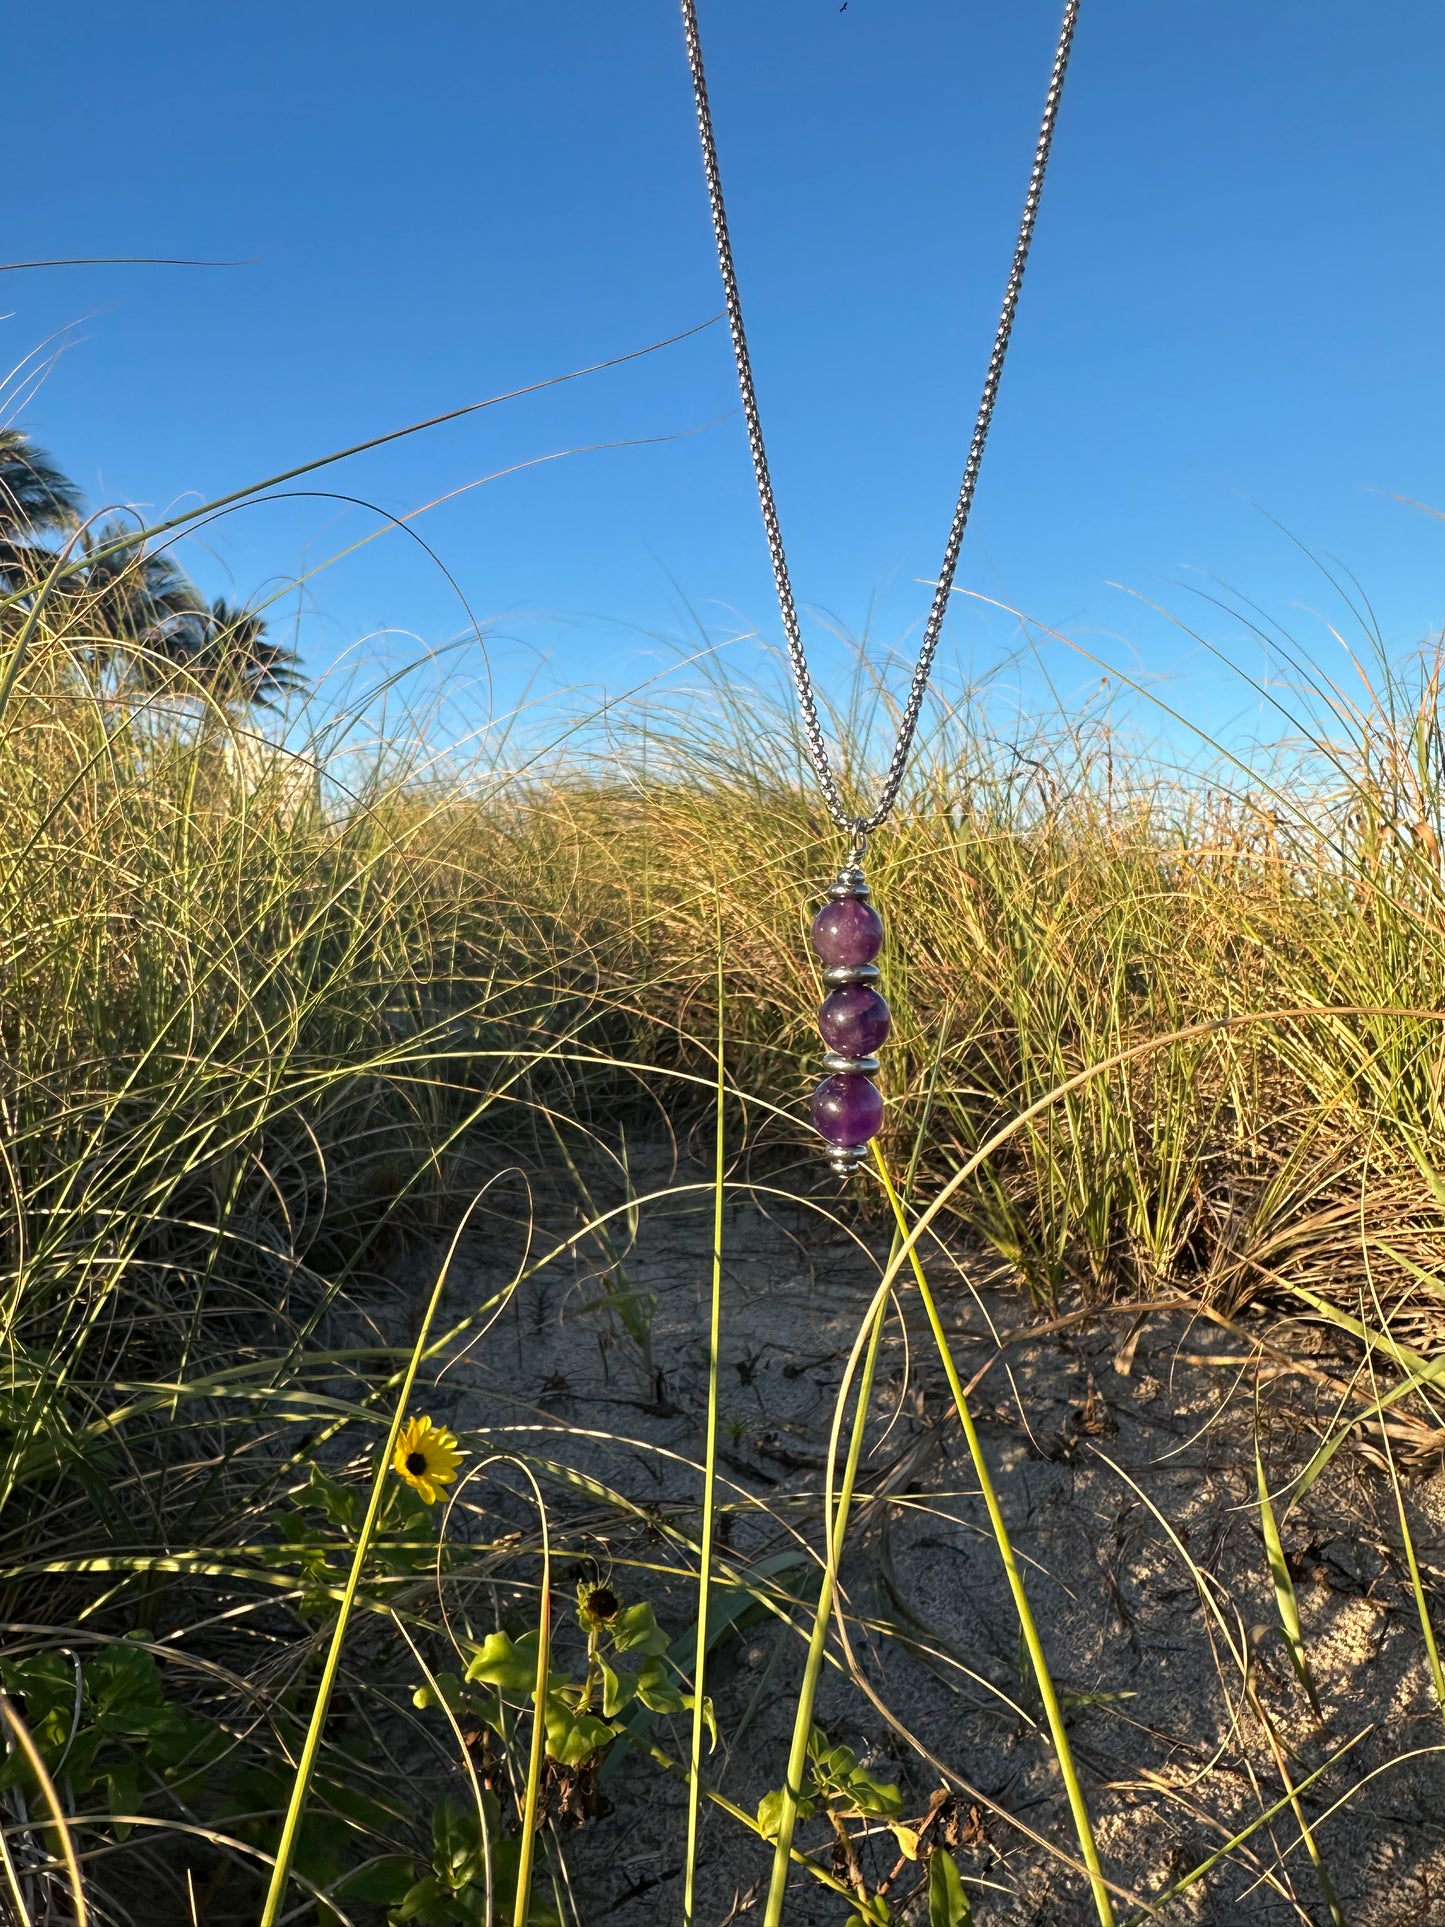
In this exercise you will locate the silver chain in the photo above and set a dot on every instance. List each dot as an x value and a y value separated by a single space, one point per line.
861 827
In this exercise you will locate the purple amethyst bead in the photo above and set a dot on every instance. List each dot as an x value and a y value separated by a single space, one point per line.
854 1020
847 932
847 1109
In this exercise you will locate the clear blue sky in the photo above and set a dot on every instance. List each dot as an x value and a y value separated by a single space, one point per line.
1233 311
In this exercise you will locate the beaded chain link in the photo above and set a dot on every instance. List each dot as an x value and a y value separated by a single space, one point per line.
847 932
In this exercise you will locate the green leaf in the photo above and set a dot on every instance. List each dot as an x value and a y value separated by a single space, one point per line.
770 1812
871 1796
657 1692
511 1668
122 1793
46 1684
458 1855
351 1803
384 1882
574 1738
449 1692
469 1908
167 1733
338 1502
426 1903
122 1681
619 1689
947 1902
636 1630
321 1845
708 1718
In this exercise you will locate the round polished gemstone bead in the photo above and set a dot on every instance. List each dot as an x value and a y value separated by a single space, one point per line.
847 1109
854 1020
847 932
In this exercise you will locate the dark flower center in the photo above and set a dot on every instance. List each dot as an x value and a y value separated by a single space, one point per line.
603 1603
416 1463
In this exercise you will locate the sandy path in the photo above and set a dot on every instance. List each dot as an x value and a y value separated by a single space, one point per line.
1174 1757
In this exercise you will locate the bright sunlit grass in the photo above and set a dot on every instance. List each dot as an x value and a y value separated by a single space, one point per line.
271 1016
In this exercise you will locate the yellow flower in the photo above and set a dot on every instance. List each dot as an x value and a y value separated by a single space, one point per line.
426 1456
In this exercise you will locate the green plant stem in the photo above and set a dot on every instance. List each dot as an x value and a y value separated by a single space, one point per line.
439 1699
1407 1539
23 1740
301 1781
744 1819
1277 1748
1236 1840
1078 1806
537 1752
818 1642
12 1881
709 1483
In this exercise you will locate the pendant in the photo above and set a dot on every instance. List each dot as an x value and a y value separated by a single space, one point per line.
847 1106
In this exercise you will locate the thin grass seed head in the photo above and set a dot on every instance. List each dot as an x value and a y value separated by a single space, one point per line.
427 1457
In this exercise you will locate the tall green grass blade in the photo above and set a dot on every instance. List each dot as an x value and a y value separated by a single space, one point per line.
537 1751
1028 1628
797 1766
1306 1831
1286 1603
1407 1540
709 1480
12 1881
69 1859
311 1745
1245 1834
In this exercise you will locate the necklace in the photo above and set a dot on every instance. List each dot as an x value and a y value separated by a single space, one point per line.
847 932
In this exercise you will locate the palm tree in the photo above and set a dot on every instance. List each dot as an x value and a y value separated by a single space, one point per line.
34 495
238 665
138 596
135 612
159 630
35 499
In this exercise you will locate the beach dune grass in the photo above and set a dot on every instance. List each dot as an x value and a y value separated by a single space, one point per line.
262 998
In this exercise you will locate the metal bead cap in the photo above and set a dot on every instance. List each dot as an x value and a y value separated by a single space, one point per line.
849 882
844 1159
838 974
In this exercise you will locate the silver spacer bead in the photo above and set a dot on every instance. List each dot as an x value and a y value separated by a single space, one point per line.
837 1065
844 1159
849 883
836 975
